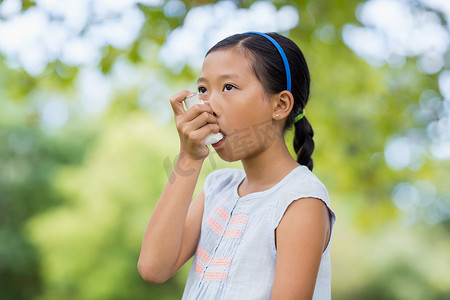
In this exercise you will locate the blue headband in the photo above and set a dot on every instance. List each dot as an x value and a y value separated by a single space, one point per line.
286 68
283 56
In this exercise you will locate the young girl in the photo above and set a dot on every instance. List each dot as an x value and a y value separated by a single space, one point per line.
250 237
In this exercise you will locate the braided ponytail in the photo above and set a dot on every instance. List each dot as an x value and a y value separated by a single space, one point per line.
304 143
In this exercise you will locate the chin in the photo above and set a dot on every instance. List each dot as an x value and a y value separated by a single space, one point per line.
227 157
230 157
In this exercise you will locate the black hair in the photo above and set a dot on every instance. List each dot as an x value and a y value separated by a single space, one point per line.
268 67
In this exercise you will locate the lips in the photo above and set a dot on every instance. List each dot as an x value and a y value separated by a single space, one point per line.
219 143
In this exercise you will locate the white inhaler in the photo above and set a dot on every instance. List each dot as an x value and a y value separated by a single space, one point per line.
190 101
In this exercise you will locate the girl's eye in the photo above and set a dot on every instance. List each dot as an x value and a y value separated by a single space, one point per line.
201 90
228 87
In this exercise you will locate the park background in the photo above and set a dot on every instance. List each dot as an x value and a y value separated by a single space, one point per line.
87 137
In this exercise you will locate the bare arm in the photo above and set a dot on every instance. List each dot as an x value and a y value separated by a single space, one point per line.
173 231
301 238
165 235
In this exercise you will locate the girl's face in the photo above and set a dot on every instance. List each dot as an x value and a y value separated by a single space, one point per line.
243 110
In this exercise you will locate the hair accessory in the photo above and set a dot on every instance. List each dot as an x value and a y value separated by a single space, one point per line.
299 116
283 56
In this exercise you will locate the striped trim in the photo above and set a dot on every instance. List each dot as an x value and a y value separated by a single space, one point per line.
218 219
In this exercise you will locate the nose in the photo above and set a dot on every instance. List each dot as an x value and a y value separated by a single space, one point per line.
214 104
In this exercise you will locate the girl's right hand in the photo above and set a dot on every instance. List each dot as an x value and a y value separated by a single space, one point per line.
193 126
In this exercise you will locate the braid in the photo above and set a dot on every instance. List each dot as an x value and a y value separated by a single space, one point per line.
304 143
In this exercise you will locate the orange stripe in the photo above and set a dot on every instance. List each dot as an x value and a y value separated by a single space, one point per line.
221 212
233 233
198 269
220 262
211 275
202 254
242 219
215 226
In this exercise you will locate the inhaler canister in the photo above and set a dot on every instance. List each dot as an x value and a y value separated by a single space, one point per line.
190 101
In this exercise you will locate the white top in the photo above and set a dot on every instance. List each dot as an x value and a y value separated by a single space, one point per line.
236 254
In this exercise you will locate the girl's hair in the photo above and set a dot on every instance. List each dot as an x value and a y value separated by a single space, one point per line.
268 66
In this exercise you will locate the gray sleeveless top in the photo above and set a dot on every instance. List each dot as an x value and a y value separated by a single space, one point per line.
236 254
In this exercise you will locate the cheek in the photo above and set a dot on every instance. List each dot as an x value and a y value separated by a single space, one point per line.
249 109
241 118
251 115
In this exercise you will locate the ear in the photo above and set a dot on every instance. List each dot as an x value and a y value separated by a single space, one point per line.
282 105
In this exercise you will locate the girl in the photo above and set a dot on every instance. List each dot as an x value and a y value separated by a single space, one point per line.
250 238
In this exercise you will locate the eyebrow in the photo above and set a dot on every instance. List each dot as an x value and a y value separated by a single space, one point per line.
223 76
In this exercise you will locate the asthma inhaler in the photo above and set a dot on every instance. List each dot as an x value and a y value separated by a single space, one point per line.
190 101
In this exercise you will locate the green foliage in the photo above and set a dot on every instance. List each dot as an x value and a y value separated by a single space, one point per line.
392 262
74 202
92 252
28 161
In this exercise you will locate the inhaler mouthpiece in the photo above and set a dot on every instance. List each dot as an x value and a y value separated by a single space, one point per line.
190 101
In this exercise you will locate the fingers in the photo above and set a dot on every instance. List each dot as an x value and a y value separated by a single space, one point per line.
199 120
200 134
197 110
194 124
176 101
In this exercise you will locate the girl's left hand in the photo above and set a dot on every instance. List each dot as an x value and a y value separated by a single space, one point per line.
193 126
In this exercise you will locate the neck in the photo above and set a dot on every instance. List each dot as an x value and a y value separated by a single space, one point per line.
267 168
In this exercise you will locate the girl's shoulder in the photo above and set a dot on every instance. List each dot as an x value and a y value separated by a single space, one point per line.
302 183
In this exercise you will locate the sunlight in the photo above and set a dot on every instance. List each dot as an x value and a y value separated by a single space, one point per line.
206 25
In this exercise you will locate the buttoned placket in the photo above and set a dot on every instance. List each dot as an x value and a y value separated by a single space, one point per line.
218 244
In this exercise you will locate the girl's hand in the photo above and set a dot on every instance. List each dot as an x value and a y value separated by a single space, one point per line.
193 126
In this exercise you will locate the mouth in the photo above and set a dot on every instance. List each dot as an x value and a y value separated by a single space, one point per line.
220 143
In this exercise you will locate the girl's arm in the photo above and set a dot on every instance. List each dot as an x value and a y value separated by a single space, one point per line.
301 237
173 231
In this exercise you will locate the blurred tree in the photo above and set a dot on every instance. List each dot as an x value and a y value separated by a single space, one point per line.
85 192
28 160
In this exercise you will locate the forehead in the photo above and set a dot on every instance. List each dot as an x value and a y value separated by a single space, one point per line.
226 61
